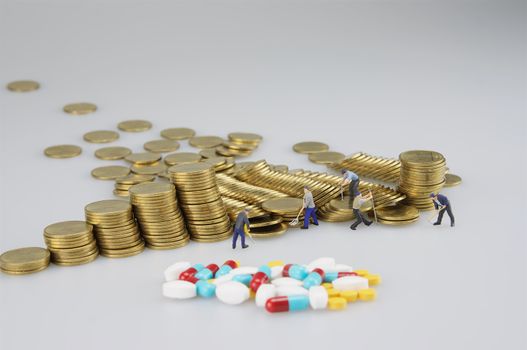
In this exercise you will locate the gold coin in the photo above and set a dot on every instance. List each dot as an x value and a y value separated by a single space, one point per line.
208 153
151 169
101 136
190 169
160 146
63 151
112 153
326 157
144 158
264 221
68 230
206 141
23 86
110 172
270 231
134 125
181 158
133 179
24 259
452 180
310 147
80 108
177 133
245 137
242 147
400 212
108 206
151 188
421 158
23 272
283 205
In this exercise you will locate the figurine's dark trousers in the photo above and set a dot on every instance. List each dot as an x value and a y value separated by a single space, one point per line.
448 209
240 232
360 218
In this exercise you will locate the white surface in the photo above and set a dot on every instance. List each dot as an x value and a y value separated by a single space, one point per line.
377 76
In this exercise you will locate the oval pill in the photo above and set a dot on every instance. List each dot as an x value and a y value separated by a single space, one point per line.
173 271
350 283
232 292
291 290
179 289
286 281
244 270
318 297
325 263
264 293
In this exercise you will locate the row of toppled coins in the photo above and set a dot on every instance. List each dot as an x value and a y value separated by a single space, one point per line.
277 286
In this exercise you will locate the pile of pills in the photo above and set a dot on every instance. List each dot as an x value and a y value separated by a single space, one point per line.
279 287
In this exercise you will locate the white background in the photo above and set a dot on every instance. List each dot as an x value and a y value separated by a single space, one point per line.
376 76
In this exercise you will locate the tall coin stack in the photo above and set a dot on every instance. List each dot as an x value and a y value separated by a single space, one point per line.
200 201
123 184
156 209
422 173
115 229
71 243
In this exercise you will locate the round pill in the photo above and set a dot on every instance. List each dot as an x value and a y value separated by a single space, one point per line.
275 263
337 303
173 271
350 283
286 281
362 273
332 293
232 293
318 297
349 295
367 294
373 280
291 290
327 285
264 293
179 289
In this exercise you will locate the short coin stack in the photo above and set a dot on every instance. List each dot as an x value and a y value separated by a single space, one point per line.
23 261
201 202
123 184
239 144
422 173
115 228
339 210
397 215
287 207
267 226
156 209
71 243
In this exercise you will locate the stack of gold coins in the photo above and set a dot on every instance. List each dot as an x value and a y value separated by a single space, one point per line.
340 210
239 144
156 209
200 201
288 208
71 243
398 215
23 261
182 158
422 173
123 184
233 188
372 167
261 174
267 226
115 229
234 207
221 164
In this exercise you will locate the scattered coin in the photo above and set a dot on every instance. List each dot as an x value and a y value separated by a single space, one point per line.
63 151
245 137
326 157
152 169
182 158
110 172
310 147
161 146
112 153
144 158
101 136
23 86
452 180
206 141
134 125
80 108
177 133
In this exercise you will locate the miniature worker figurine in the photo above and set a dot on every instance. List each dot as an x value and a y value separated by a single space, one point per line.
309 206
357 203
239 228
349 177
442 204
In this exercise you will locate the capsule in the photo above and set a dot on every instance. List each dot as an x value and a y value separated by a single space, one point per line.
245 279
290 303
315 278
294 271
191 271
203 288
262 276
208 272
226 268
331 276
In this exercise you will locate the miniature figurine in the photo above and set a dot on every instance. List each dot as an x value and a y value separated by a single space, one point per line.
349 177
239 228
441 203
309 206
357 203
